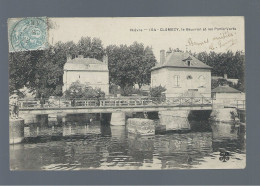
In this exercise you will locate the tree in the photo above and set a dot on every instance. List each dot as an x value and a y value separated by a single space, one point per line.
129 65
220 82
228 63
42 70
143 72
120 66
91 48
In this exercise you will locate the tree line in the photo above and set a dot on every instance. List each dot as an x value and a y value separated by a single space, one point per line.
230 63
41 71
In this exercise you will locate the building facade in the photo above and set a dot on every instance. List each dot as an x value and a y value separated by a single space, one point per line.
181 73
227 96
88 71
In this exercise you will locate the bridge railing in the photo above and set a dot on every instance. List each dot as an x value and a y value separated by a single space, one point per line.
116 102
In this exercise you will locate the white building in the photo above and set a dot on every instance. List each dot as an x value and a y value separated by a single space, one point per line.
86 70
181 74
227 96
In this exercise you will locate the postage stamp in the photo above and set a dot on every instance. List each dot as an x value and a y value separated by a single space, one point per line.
27 34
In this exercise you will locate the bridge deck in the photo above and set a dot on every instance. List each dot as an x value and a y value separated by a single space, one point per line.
114 105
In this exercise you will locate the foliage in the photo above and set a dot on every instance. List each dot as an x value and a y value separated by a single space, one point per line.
232 64
114 89
129 65
129 90
78 90
220 82
157 91
42 70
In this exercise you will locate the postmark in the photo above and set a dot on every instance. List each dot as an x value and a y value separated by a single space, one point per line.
28 34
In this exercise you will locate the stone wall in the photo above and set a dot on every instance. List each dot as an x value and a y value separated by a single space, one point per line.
175 120
224 114
141 126
16 131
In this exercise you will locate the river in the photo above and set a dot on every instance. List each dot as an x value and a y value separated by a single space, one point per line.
83 146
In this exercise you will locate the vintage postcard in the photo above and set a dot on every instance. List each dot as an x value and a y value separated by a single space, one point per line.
128 93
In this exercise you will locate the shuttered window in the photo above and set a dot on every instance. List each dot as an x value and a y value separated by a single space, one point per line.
176 81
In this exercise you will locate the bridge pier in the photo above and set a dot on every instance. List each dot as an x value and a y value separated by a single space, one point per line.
61 118
16 131
52 119
118 118
175 120
29 118
224 115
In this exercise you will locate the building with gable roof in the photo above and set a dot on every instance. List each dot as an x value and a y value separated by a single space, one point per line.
86 70
226 96
182 75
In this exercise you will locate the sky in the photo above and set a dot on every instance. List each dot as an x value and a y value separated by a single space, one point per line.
197 34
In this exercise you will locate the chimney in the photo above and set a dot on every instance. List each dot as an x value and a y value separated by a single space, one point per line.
225 76
69 57
80 56
162 56
105 59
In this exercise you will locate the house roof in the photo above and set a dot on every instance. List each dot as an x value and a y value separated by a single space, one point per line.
84 61
178 59
225 89
85 64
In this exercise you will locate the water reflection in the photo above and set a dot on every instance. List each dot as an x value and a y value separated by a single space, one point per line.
83 145
183 150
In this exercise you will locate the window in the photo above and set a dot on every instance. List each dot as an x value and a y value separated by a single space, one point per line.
177 81
188 62
189 77
201 81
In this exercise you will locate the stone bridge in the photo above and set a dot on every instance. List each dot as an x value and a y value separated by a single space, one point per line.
28 109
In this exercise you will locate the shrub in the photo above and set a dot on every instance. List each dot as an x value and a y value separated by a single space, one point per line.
78 90
157 91
128 90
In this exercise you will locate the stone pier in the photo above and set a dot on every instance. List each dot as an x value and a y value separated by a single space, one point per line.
61 118
141 126
224 115
29 118
175 120
16 131
52 119
118 118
